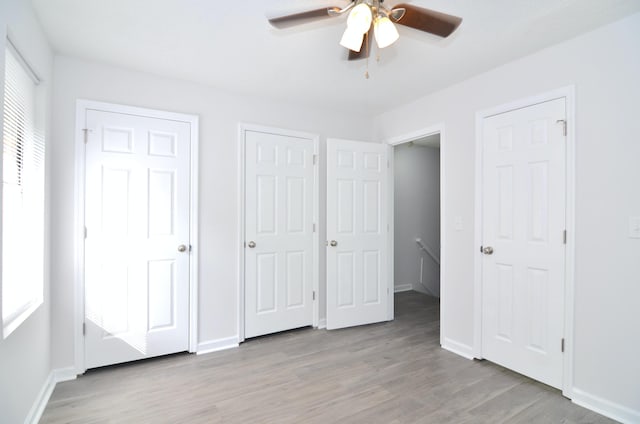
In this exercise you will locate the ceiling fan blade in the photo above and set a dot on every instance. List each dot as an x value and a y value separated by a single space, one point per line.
304 17
365 49
426 20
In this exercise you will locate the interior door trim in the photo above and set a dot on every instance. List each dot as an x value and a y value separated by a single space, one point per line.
242 130
82 106
568 93
438 128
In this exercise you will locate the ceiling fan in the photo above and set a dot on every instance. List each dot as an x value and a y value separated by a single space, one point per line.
371 16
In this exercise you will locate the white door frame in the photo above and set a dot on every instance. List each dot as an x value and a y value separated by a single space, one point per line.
242 129
82 106
402 139
568 93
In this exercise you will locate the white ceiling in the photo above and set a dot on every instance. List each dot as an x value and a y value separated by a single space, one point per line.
230 45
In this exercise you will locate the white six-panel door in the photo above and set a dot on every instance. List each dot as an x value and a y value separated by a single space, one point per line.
137 217
523 209
279 202
357 232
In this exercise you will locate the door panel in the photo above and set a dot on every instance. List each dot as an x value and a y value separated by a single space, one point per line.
136 214
357 287
523 221
161 289
279 220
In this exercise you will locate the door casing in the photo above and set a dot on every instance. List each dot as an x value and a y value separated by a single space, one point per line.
396 141
242 129
569 94
82 106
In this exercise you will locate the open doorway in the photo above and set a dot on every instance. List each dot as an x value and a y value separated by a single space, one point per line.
416 222
417 215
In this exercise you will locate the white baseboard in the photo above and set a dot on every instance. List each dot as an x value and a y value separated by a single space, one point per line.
605 407
41 400
421 289
322 323
458 348
64 374
216 345
55 376
402 288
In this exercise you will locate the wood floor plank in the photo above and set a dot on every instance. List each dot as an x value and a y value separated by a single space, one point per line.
393 372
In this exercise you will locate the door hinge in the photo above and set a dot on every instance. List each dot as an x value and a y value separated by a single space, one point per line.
564 237
85 232
564 126
562 345
481 249
315 159
388 165
86 134
314 227
314 296
84 328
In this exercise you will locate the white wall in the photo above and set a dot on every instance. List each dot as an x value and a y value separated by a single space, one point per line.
416 171
220 113
604 65
25 353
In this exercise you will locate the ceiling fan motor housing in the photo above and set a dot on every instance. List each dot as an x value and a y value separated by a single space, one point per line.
378 20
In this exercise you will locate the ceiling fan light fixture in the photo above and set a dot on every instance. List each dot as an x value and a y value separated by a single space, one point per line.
360 18
352 39
366 16
385 32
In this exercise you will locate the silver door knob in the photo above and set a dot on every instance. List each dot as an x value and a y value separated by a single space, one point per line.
251 244
182 248
333 243
488 250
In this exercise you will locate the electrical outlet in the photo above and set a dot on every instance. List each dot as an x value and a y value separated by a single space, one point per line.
457 223
634 227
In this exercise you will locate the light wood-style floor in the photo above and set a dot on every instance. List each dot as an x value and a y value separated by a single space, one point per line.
392 372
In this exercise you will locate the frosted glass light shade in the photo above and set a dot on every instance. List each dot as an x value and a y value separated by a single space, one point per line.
385 32
360 18
352 39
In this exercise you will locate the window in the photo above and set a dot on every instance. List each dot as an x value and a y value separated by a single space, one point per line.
22 195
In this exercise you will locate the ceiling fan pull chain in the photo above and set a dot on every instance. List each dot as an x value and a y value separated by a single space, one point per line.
377 7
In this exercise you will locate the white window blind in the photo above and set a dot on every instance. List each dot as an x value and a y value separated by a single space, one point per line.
22 195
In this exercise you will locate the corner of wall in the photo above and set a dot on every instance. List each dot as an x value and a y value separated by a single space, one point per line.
605 407
211 346
400 287
458 348
40 403
41 400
